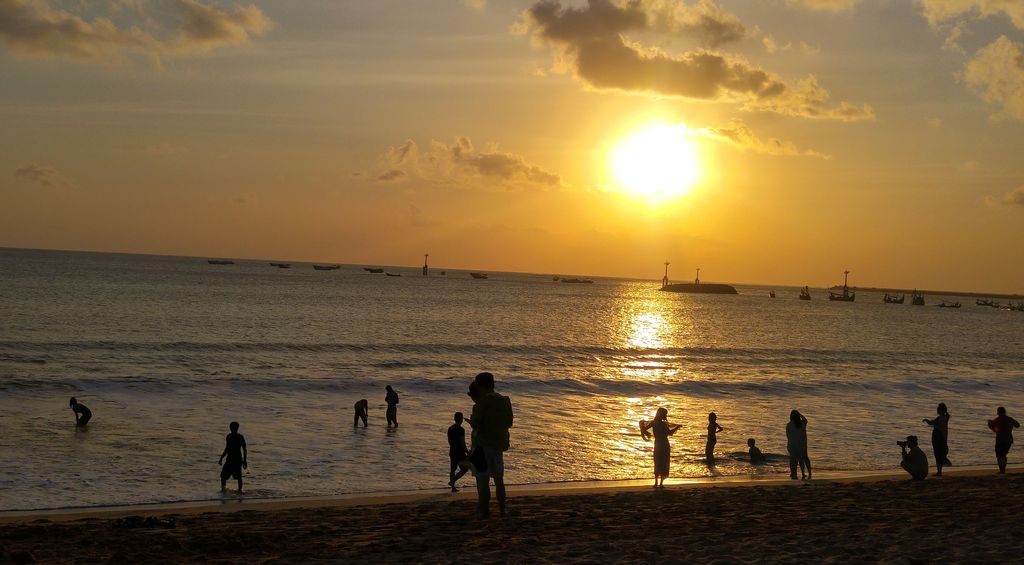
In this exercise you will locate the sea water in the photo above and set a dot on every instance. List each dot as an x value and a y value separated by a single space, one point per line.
166 351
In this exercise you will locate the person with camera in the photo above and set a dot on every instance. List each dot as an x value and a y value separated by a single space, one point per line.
914 461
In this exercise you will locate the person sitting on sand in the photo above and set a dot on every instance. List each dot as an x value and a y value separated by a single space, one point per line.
237 454
661 429
796 444
1003 426
914 460
392 412
457 452
713 429
81 412
940 437
492 417
362 411
756 457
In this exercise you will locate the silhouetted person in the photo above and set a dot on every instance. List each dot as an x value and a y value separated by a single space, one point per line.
81 412
796 444
392 412
237 454
491 420
1003 426
713 429
661 429
940 437
756 457
914 460
457 452
362 410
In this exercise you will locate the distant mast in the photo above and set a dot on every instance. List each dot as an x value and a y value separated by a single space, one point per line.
425 269
697 280
846 279
664 280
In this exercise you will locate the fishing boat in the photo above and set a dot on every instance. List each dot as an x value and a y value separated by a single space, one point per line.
986 302
893 298
771 294
393 274
696 287
326 267
945 304
220 262
805 294
478 275
917 299
281 265
373 270
578 281
846 296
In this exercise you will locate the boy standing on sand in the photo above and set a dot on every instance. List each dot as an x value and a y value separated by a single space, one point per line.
457 452
491 420
237 454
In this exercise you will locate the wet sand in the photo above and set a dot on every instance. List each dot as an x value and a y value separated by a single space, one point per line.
963 517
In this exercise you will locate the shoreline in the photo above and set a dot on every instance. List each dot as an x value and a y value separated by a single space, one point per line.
232 503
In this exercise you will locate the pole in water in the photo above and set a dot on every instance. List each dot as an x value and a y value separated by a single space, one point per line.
698 276
664 280
425 255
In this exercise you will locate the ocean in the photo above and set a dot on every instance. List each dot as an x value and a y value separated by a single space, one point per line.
166 351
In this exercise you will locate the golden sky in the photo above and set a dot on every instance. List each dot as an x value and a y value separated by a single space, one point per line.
810 136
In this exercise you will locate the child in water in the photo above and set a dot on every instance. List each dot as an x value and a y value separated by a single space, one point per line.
756 457
713 429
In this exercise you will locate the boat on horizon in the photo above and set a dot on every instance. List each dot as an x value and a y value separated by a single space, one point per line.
578 281
326 267
392 274
917 299
220 261
696 287
893 298
281 265
846 296
805 294
986 302
478 275
771 294
373 270
945 304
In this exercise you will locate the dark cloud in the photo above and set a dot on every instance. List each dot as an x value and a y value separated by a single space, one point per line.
391 175
591 43
41 175
462 163
37 29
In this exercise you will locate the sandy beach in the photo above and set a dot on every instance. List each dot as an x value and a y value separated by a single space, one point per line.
963 517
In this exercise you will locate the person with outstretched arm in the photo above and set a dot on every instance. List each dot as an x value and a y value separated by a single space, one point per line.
237 458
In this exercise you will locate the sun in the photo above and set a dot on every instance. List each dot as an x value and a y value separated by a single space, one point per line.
657 161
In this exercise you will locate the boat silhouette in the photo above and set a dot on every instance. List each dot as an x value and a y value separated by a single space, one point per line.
846 296
805 294
893 299
696 287
478 275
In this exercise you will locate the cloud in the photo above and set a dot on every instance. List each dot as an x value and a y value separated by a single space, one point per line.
34 28
705 20
589 42
392 175
461 163
938 12
997 74
771 46
476 4
739 134
42 175
824 5
1014 197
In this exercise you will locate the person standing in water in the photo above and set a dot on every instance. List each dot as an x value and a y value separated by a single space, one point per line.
713 429
661 429
81 412
796 443
392 412
457 452
1003 426
237 455
940 437
362 410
